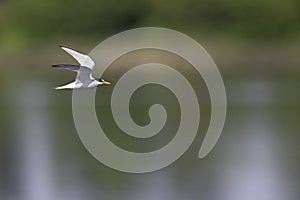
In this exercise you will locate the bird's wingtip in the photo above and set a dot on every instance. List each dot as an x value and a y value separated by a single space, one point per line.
64 46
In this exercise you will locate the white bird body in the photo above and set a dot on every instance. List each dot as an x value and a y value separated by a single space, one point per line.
84 77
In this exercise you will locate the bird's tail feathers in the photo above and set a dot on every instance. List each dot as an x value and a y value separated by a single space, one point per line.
67 86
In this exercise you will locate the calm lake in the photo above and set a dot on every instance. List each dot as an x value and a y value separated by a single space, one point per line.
257 156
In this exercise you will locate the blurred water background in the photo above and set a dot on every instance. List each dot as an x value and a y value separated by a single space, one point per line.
256 47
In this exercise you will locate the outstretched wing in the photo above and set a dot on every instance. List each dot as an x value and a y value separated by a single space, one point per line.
84 75
73 68
82 59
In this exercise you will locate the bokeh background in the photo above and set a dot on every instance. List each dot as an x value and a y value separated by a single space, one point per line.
256 47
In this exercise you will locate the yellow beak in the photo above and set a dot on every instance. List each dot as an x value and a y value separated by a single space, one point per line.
106 83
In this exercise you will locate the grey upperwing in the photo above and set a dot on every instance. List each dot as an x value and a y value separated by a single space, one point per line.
73 68
84 76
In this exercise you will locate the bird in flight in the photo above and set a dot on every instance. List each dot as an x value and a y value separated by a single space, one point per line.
84 77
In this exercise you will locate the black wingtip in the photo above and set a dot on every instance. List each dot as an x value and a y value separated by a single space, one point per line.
61 45
64 46
68 47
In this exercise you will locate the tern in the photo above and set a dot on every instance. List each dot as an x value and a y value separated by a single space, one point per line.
84 77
